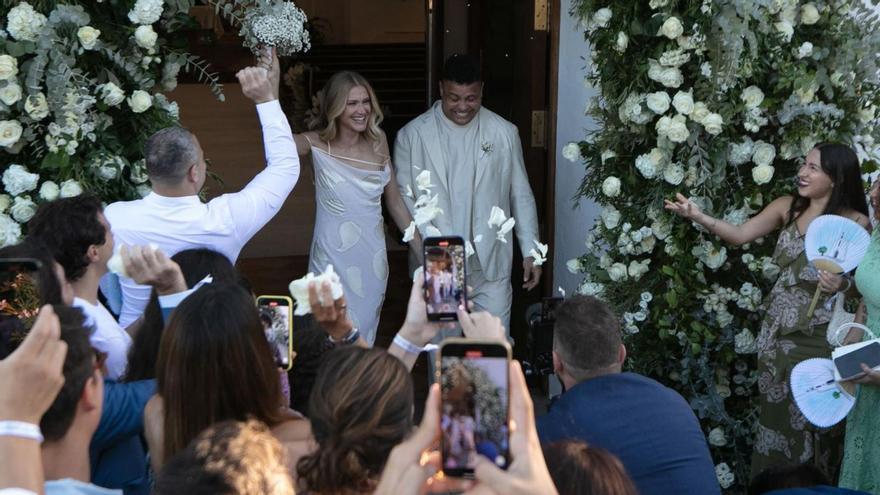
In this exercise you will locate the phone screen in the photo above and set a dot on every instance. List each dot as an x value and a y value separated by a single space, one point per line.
445 280
277 323
849 365
474 414
19 300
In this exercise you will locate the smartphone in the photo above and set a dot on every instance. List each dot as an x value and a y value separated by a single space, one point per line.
474 413
275 314
19 300
445 277
850 364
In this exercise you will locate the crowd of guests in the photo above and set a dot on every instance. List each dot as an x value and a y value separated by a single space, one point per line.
179 391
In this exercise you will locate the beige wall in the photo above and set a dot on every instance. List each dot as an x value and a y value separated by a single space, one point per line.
370 21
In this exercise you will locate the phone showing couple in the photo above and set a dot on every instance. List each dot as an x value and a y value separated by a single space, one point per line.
445 277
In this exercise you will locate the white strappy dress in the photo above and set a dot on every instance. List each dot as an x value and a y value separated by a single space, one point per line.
350 233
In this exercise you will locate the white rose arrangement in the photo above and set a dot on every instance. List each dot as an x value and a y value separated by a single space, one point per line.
36 106
24 23
23 209
10 93
671 28
571 152
70 188
805 50
752 97
602 17
111 94
17 180
622 42
713 123
146 11
145 37
49 191
683 101
658 102
809 14
10 132
611 187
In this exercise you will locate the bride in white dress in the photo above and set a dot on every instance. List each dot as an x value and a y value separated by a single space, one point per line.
352 168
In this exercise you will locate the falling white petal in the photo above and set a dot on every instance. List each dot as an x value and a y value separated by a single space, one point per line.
561 291
496 217
468 249
299 289
410 232
423 181
409 192
478 238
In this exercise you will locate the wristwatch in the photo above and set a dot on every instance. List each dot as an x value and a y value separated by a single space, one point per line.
351 338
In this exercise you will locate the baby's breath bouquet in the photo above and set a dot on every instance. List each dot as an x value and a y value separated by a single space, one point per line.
275 23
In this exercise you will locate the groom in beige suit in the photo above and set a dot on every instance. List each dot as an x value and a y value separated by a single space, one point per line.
475 162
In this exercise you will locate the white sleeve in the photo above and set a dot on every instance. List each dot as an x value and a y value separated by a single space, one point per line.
259 201
15 491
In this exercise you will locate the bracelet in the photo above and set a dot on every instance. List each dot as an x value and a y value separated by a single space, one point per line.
351 338
409 347
21 429
848 283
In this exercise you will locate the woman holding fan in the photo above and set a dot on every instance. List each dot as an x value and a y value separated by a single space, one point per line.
829 182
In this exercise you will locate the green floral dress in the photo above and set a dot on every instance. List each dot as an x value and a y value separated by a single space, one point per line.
861 462
787 337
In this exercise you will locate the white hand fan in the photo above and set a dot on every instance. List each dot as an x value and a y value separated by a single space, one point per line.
819 397
834 244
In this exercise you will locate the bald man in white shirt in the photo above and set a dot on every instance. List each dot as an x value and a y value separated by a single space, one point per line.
174 217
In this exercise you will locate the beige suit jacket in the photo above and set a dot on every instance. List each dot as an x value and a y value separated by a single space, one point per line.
499 180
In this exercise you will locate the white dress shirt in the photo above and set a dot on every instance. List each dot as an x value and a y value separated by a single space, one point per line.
224 224
108 337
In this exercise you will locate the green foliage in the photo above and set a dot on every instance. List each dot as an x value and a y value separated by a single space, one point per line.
690 304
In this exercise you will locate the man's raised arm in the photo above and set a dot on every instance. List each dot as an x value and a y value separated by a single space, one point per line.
260 200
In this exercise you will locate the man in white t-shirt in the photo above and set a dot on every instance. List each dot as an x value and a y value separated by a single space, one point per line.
75 231
175 218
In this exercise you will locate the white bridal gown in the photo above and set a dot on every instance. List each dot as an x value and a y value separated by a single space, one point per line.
350 233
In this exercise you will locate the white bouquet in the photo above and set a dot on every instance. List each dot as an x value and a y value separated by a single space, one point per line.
278 24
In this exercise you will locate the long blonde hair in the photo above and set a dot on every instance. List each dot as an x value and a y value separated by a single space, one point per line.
333 99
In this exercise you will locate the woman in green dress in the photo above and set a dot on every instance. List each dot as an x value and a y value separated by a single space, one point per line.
861 460
829 182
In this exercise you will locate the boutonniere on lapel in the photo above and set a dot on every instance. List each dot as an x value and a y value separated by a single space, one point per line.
487 148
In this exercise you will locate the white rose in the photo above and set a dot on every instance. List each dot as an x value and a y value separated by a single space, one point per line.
672 28
763 153
611 187
8 67
140 101
5 201
146 11
145 37
670 77
23 209
107 172
809 14
674 174
713 123
88 36
650 163
17 180
608 154
867 114
637 269
713 257
752 97
574 266
677 130
723 473
602 17
656 4
49 191
111 94
36 106
699 112
10 231
717 437
674 58
806 93
805 50
571 152
785 29
610 217
683 102
591 288
617 272
762 174
10 93
622 42
70 188
658 102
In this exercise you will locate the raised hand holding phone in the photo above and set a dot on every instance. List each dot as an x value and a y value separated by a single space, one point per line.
445 287
275 315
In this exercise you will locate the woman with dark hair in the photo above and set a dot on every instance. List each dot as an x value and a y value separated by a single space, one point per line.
361 407
215 364
829 182
195 264
579 469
